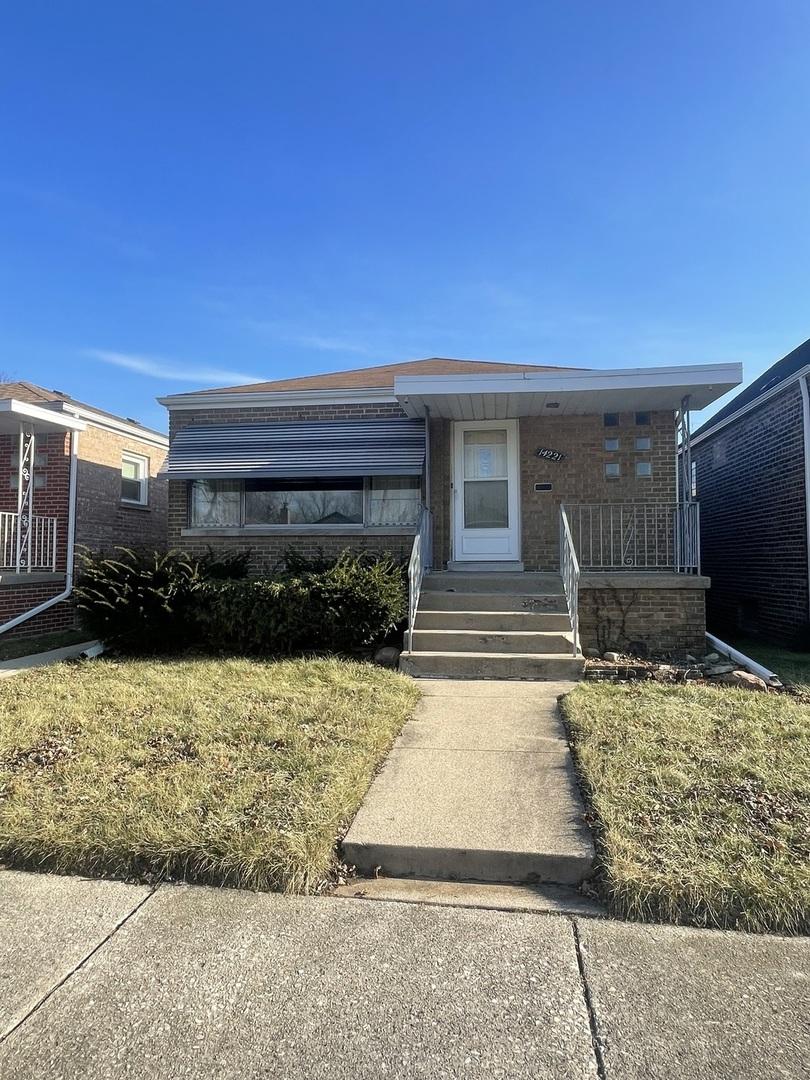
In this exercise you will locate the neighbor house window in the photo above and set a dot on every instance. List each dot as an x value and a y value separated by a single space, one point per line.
612 469
642 419
611 444
375 501
643 468
643 442
693 487
611 419
134 479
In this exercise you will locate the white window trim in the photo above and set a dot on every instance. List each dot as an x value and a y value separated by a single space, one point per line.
142 463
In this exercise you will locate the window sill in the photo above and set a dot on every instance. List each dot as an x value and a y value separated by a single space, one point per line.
303 530
133 505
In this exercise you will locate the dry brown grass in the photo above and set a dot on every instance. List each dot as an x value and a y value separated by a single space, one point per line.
224 771
701 802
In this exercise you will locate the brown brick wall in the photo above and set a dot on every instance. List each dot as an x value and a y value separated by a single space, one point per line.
102 520
750 481
267 551
579 478
666 622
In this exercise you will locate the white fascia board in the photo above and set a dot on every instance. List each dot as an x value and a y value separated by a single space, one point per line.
760 399
118 427
696 375
37 415
265 399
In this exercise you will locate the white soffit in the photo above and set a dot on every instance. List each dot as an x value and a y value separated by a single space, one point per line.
576 393
13 413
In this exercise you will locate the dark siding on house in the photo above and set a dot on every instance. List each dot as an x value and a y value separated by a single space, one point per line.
750 485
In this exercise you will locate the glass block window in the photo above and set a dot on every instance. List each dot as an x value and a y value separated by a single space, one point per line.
642 419
611 419
643 442
611 444
612 469
643 468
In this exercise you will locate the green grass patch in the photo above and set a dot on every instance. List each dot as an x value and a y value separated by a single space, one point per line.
793 668
13 648
700 798
226 771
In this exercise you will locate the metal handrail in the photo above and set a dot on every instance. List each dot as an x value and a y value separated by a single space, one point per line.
636 536
569 571
421 560
41 549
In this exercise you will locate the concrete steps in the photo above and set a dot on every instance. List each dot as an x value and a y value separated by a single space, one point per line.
492 626
492 641
472 665
491 621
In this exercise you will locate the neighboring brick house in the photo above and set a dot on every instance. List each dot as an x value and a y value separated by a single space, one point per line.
461 467
751 471
74 476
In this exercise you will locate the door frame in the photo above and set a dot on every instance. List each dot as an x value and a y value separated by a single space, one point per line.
513 488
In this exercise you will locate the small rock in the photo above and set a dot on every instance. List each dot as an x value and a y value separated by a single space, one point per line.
387 656
719 669
611 657
743 679
593 654
711 658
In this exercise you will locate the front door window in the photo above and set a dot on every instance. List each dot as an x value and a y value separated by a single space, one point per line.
486 483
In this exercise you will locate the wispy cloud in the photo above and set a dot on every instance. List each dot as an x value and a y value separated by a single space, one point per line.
157 367
321 342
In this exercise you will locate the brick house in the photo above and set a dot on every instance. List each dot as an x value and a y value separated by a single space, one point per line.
71 475
751 472
537 507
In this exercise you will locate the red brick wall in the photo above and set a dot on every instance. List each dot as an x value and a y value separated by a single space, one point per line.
102 520
17 599
750 481
50 501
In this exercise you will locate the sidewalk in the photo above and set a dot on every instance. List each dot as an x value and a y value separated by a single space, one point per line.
101 979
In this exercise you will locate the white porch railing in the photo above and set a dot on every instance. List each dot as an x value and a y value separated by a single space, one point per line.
569 571
636 536
40 551
421 559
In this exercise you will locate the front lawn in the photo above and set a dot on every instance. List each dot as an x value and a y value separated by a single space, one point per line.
224 771
700 799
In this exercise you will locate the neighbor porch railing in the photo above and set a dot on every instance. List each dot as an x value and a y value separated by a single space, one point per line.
636 536
30 547
420 561
569 571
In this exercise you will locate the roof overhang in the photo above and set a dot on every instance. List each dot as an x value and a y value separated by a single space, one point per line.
14 413
564 393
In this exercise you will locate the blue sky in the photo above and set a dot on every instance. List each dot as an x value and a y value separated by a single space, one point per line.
199 194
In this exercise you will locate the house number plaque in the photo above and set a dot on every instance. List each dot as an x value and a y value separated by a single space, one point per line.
547 454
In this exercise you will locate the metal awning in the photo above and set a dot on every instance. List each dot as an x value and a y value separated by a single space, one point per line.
575 392
392 446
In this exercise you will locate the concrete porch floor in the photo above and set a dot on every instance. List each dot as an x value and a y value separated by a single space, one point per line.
479 787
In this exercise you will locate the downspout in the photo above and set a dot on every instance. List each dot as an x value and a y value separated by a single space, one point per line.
806 433
71 545
428 492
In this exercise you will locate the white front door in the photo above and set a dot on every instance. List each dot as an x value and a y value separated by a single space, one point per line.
486 499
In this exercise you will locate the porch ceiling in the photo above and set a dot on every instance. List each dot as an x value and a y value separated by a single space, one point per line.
564 393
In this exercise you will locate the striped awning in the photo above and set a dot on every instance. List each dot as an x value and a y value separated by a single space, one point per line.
392 446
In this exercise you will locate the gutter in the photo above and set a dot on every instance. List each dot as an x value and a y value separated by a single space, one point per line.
71 546
744 661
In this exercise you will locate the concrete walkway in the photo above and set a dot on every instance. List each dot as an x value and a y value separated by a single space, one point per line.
479 787
19 664
101 980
